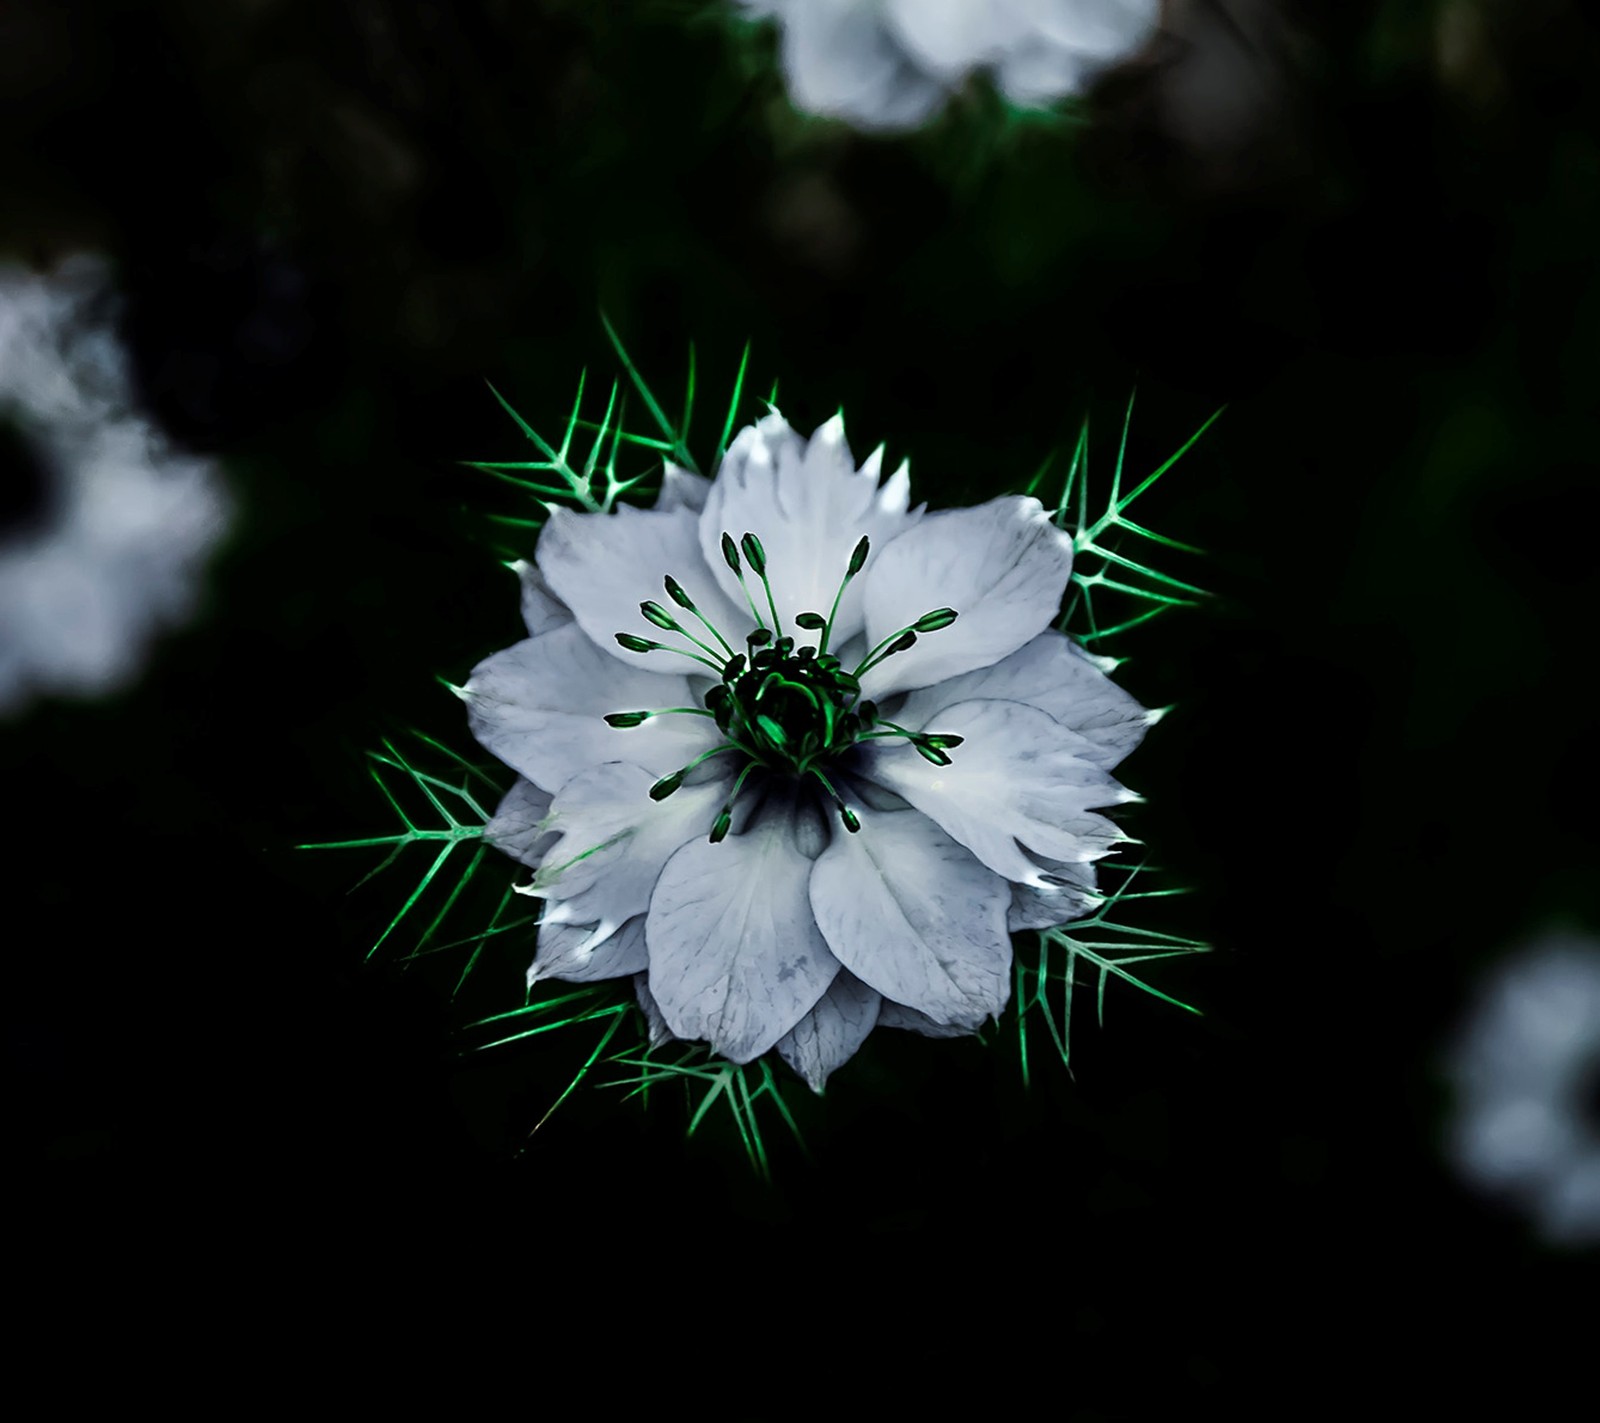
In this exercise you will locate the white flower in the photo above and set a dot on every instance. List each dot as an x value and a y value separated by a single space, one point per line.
791 839
126 521
1526 1071
891 64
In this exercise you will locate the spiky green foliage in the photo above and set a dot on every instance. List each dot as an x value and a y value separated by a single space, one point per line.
582 472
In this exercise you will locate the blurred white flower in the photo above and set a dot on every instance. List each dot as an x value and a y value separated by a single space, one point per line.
114 552
891 64
838 825
1526 1071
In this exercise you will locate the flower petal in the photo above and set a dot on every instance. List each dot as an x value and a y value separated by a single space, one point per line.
949 37
1045 906
542 611
540 707
603 566
1019 775
913 915
828 1036
1002 566
574 953
655 1025
809 505
681 489
614 841
840 61
736 958
518 825
1054 674
897 1015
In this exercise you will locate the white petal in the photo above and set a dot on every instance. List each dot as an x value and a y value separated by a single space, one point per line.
897 1015
655 1025
682 489
577 954
736 958
1002 566
913 915
1054 674
1045 906
809 505
614 841
948 37
828 1036
1098 30
1019 775
540 707
603 566
542 611
840 61
518 825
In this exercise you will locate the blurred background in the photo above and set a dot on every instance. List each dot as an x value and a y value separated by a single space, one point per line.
1368 229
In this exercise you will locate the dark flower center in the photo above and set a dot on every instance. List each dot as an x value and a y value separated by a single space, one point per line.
783 709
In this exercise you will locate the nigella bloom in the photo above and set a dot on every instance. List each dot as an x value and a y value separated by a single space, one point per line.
1527 1076
891 64
104 544
800 757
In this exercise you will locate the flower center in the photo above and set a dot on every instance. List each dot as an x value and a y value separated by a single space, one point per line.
786 710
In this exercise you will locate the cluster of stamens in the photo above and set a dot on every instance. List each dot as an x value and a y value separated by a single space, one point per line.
785 709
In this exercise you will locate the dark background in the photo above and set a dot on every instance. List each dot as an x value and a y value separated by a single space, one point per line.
332 222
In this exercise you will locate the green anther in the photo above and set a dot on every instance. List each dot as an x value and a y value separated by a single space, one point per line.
944 742
626 719
932 622
930 753
676 593
851 823
636 644
760 637
730 554
901 643
810 621
719 827
754 553
666 785
658 615
858 559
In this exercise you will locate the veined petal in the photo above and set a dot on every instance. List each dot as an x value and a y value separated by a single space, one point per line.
809 505
655 1025
518 826
1054 674
614 841
1019 775
736 958
1045 906
912 914
828 1036
542 611
681 489
603 566
540 707
897 1015
578 953
1002 566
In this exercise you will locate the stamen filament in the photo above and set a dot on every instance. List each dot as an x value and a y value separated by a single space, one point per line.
658 615
644 644
730 556
719 827
624 720
668 784
858 561
682 599
758 561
